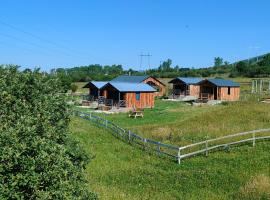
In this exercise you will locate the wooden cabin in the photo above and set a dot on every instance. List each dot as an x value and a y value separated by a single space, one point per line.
219 89
152 81
94 89
185 86
123 94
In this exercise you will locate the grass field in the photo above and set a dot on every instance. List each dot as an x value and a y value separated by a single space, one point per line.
121 171
179 123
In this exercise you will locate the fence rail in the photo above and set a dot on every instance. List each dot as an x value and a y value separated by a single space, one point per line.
175 152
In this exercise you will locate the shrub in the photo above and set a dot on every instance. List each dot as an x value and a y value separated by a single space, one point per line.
73 87
39 159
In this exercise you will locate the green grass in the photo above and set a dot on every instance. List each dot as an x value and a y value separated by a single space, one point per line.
120 171
179 123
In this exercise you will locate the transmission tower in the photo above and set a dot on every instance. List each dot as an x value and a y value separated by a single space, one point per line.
148 56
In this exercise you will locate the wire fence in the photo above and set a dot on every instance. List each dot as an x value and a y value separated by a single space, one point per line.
175 152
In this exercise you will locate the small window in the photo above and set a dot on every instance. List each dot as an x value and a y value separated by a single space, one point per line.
138 96
229 90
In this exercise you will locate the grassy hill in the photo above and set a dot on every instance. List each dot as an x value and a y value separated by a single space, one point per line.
121 171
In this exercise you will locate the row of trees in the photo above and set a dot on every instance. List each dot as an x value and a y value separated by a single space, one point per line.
165 70
254 69
39 159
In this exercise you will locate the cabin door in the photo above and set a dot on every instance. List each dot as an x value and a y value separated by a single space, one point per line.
215 93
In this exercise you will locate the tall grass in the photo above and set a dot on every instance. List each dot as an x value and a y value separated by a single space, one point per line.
120 171
179 123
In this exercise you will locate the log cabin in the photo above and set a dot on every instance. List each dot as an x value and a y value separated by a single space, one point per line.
185 86
150 80
123 94
219 89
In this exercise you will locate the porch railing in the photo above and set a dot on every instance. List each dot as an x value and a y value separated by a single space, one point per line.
205 96
122 103
178 92
101 100
88 97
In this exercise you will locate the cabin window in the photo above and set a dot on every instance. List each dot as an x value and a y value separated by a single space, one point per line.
138 96
229 90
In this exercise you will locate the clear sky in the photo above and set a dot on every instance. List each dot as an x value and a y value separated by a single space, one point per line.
67 33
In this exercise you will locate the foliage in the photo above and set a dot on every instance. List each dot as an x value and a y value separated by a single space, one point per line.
241 67
39 158
73 87
218 61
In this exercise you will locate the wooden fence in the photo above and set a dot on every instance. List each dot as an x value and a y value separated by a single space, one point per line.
175 152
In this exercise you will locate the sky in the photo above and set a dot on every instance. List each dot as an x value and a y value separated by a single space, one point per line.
68 33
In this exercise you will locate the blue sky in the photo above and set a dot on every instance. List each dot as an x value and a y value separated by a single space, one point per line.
67 33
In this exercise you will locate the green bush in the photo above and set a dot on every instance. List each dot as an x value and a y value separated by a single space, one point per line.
73 87
38 157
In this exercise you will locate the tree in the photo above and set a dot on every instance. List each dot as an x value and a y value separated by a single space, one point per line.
166 65
241 67
226 63
265 61
39 159
218 61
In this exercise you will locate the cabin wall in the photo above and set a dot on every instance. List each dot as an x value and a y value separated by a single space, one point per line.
104 93
233 96
162 88
147 100
194 90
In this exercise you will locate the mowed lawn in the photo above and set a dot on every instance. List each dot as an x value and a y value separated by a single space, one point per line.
180 123
121 171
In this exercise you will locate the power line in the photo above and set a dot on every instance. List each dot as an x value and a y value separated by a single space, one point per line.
29 43
64 49
36 36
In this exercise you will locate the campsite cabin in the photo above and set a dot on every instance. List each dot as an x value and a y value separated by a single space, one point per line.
94 89
219 89
123 94
152 81
185 86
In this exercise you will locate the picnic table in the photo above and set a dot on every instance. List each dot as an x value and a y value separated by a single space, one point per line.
136 113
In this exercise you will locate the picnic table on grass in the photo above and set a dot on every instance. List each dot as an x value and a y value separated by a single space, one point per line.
136 113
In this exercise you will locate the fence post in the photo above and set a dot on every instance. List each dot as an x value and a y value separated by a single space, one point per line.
90 115
144 140
206 148
106 123
252 86
129 136
158 149
179 156
254 139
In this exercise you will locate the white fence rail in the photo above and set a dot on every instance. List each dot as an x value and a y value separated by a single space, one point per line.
175 152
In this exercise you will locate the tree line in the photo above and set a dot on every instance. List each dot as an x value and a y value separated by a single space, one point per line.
247 68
